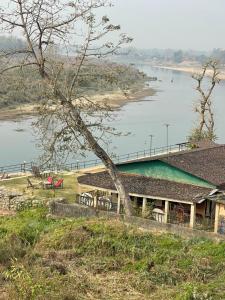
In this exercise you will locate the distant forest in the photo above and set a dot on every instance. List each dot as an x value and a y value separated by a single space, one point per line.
18 88
24 86
131 54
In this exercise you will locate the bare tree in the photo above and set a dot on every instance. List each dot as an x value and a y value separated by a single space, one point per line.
69 120
206 126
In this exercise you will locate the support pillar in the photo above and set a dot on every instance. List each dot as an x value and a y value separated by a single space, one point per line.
166 211
193 215
135 202
144 205
216 224
95 201
118 204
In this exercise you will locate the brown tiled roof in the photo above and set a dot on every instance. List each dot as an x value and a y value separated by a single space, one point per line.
137 184
206 162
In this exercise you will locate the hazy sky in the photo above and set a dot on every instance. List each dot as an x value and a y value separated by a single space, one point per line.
185 24
195 24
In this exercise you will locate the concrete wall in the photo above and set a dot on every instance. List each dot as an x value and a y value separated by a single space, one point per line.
71 210
221 218
77 211
222 210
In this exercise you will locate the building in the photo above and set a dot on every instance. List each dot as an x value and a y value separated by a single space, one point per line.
185 187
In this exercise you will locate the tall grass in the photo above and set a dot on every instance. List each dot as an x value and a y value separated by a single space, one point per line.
102 259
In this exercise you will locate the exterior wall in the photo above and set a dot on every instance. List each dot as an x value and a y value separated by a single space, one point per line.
71 210
222 210
77 211
161 170
221 218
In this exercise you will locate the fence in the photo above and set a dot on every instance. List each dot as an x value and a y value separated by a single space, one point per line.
27 166
23 168
103 203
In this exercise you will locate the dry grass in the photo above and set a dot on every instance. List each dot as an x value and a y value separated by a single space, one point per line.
69 187
85 259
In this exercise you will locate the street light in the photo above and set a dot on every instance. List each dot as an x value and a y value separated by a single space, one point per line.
150 149
167 136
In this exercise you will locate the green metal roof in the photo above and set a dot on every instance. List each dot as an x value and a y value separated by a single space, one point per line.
162 170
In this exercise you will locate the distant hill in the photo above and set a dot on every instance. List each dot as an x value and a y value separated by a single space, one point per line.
26 87
131 54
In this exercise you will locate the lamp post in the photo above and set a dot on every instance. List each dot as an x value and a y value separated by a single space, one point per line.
150 149
167 136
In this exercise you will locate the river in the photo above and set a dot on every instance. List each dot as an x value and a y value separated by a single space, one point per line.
172 104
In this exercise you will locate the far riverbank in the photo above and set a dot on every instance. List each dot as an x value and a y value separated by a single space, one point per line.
115 100
191 70
172 104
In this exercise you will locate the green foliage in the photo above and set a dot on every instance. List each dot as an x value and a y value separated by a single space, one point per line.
24 284
18 87
102 258
196 136
148 210
191 292
24 86
19 233
11 246
29 204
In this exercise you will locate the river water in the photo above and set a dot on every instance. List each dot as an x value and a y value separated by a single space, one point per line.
172 104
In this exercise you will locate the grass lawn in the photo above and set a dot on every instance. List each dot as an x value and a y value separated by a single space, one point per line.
73 259
69 187
83 259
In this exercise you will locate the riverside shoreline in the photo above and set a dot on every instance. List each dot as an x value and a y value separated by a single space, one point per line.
115 100
191 70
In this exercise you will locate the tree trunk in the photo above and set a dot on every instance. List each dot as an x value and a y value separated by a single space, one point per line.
100 153
93 144
39 59
202 121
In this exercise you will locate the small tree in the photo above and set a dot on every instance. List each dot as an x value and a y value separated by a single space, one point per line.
205 130
69 119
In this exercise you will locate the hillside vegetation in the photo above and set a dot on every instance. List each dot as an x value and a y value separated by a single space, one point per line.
169 56
18 87
24 85
44 258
